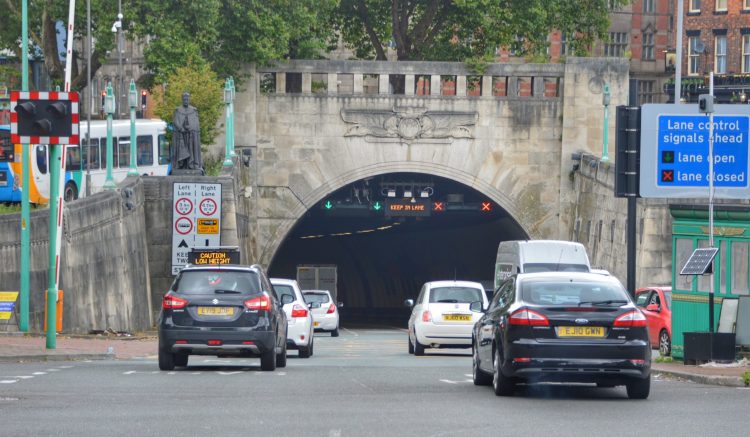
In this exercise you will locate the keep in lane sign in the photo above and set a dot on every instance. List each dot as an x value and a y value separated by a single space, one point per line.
675 146
196 219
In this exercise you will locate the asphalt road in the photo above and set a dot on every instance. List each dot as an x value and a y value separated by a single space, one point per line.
363 383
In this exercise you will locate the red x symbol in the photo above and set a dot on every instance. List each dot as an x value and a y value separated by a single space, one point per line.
667 175
438 206
486 206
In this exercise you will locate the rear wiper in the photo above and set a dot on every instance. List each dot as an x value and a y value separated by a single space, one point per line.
227 291
603 302
448 301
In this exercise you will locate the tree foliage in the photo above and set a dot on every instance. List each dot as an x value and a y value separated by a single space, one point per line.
205 90
457 30
43 44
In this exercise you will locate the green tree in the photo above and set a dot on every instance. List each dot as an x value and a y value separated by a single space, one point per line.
205 90
42 19
458 30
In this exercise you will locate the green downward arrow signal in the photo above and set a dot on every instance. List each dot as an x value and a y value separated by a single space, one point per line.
376 206
328 205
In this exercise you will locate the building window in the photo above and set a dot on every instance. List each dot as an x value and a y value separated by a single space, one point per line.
721 5
517 47
695 6
746 53
566 44
618 43
646 91
648 6
648 47
693 55
720 57
745 4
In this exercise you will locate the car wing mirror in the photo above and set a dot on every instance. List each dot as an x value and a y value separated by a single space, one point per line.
409 303
477 306
286 298
652 307
340 304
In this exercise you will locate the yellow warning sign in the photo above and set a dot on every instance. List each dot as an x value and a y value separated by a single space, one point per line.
208 226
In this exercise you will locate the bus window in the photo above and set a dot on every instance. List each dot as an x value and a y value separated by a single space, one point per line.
73 159
94 149
41 158
164 150
6 147
123 152
145 152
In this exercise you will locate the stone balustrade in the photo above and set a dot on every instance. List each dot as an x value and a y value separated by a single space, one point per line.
422 79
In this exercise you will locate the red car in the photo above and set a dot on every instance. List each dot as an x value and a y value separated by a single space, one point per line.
656 304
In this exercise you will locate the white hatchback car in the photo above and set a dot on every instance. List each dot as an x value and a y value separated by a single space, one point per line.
441 318
299 334
324 311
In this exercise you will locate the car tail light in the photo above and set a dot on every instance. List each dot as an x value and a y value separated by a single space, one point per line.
299 311
331 309
638 362
214 342
426 316
171 302
262 303
527 317
180 342
632 319
522 360
248 342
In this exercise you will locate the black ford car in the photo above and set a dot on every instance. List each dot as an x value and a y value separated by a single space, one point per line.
562 327
226 311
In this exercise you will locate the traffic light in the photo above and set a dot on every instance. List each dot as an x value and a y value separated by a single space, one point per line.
486 207
44 117
143 99
104 96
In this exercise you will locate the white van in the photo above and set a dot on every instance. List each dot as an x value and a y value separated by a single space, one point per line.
529 256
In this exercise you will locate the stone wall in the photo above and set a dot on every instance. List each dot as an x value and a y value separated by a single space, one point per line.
104 269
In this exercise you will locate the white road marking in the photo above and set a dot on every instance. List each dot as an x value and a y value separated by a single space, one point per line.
171 373
130 372
350 332
196 373
66 367
39 373
53 370
25 377
8 381
281 373
449 381
227 373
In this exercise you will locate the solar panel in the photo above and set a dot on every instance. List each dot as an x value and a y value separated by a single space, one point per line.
700 261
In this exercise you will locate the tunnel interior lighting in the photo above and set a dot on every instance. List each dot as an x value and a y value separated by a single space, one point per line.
426 192
391 192
408 192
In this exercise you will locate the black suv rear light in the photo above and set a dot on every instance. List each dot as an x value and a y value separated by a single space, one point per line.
262 303
171 302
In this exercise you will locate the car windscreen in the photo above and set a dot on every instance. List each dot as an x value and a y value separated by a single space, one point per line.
455 295
554 267
281 290
216 282
567 292
315 297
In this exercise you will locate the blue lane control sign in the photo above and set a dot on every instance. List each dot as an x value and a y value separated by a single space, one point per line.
674 151
682 151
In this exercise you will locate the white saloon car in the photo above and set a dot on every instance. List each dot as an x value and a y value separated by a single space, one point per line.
299 334
324 310
440 316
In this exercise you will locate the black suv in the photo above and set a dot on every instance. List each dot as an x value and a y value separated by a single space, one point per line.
223 311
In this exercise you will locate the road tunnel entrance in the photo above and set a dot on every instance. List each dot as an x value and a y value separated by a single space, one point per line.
390 234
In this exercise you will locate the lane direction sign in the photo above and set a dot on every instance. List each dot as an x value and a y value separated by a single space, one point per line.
674 151
196 220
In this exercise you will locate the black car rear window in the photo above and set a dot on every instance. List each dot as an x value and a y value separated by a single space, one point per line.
315 297
216 282
281 290
554 267
455 295
566 292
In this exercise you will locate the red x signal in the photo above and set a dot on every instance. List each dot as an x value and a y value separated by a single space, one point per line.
438 206
667 175
486 206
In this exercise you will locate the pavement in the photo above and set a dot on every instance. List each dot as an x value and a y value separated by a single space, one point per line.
20 347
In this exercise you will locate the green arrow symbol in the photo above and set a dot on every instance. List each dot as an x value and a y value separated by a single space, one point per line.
376 206
328 205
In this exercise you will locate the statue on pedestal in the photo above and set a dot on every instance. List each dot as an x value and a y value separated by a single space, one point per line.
186 137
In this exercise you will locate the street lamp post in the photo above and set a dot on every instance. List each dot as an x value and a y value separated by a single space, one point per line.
605 144
133 102
227 140
109 108
231 85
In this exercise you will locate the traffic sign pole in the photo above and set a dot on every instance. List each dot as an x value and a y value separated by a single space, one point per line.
711 209
23 324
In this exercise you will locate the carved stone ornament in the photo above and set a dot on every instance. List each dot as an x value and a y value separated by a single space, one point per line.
408 124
